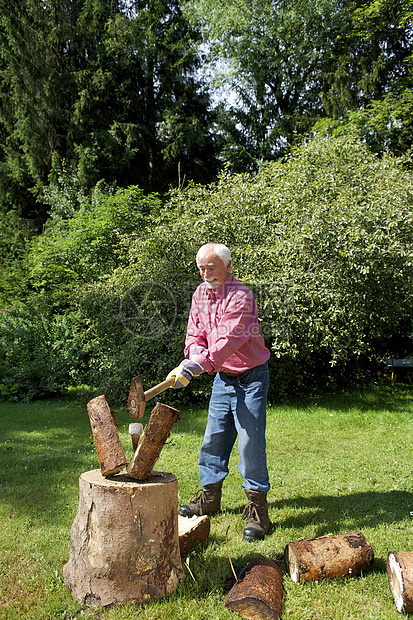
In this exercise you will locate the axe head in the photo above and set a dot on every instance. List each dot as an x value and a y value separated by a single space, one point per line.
136 398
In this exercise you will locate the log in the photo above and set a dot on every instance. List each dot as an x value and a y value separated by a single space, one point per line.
328 557
400 573
258 594
110 453
153 440
124 540
192 531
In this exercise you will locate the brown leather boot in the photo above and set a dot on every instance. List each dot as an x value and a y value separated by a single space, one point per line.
205 502
256 514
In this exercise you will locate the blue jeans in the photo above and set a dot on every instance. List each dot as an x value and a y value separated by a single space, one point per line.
237 407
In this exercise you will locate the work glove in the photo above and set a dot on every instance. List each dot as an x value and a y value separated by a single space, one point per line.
184 373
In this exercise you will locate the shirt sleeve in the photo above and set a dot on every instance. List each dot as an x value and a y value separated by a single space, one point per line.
196 334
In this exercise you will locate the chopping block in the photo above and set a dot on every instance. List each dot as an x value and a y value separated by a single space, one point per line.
124 541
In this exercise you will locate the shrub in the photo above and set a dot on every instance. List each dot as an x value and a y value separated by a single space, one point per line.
40 355
324 239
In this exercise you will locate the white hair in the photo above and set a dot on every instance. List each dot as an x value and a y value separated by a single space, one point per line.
219 250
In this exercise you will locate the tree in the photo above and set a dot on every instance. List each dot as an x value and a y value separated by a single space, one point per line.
104 87
291 62
384 119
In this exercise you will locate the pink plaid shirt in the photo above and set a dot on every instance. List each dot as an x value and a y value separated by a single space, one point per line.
225 322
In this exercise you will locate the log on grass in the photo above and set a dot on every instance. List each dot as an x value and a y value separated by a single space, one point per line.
110 453
328 557
258 594
400 573
124 540
192 531
153 440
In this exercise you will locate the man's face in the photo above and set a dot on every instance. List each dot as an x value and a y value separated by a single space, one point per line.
212 269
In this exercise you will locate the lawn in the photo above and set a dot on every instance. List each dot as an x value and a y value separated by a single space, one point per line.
338 463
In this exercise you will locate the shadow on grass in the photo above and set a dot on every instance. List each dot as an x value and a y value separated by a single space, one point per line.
383 397
330 514
335 513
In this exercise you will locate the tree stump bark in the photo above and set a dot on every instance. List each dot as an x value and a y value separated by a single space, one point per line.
258 594
124 540
110 453
400 573
328 557
153 440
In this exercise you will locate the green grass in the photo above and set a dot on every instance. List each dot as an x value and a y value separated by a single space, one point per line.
337 464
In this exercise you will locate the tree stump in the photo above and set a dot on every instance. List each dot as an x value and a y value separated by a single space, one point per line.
124 540
258 594
400 573
110 453
328 557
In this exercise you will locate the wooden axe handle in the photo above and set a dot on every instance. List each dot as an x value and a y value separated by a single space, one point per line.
157 389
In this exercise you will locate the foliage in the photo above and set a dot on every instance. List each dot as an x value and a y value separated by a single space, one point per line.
338 463
325 241
108 89
384 125
14 234
90 243
289 63
41 355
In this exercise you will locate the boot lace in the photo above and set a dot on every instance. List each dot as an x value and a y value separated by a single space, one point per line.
250 513
199 498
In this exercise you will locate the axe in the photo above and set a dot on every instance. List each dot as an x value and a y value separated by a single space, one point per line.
137 398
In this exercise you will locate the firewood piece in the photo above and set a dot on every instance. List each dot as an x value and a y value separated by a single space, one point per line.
192 531
124 540
328 557
111 455
135 431
258 594
400 573
153 440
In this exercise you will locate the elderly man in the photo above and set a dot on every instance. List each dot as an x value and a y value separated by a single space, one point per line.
223 338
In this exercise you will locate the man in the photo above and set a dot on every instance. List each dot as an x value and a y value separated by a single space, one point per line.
223 338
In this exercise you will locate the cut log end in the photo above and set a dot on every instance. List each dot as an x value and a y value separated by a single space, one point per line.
400 574
192 531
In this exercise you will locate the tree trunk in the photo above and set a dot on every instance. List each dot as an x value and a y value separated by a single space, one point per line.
192 531
111 455
259 592
124 540
328 556
400 573
153 440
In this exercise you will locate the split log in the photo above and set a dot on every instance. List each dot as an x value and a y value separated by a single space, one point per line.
328 557
258 594
400 573
124 540
110 453
153 440
192 531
